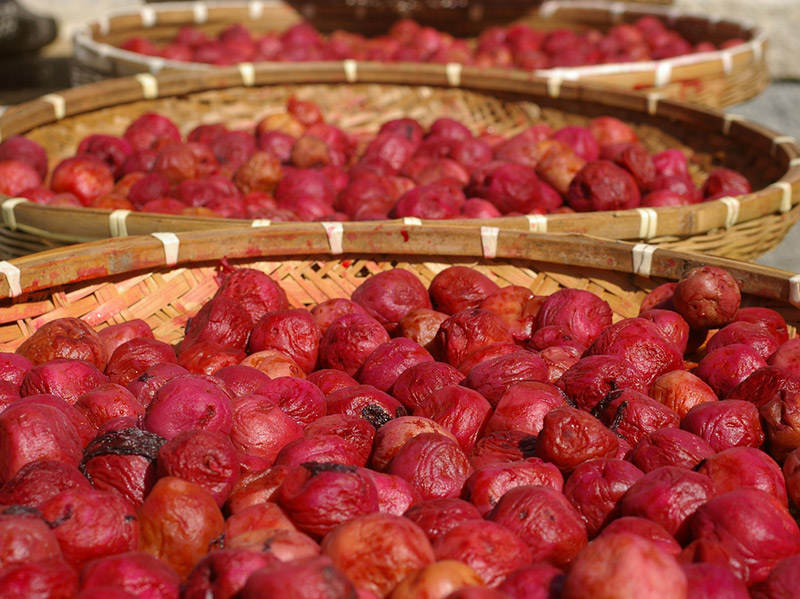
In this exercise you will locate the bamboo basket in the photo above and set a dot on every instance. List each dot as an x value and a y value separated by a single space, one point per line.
742 228
719 78
164 279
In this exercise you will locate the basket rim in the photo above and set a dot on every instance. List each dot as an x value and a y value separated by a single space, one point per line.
719 62
777 198
92 261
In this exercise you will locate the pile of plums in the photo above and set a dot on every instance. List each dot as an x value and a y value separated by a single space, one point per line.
518 46
293 165
457 441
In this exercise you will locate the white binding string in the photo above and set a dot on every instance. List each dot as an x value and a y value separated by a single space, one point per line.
453 72
617 10
118 223
648 224
794 162
248 73
350 67
200 13
255 9
779 140
171 247
58 103
9 218
728 119
732 215
652 102
726 56
794 291
663 73
412 221
554 85
786 198
148 15
548 9
758 50
155 64
335 232
149 85
260 222
537 223
103 25
642 254
489 241
12 274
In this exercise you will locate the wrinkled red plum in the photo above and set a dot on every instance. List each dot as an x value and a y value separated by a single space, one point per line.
602 185
635 159
33 432
348 342
671 324
321 580
223 573
185 403
485 353
85 176
378 550
669 496
439 515
389 360
492 378
434 201
553 336
558 359
13 368
133 357
513 187
725 424
299 398
501 447
25 150
317 496
724 182
178 521
319 448
632 414
122 462
781 423
151 380
434 464
393 435
25 537
489 483
545 520
414 386
367 402
763 384
609 130
264 515
591 378
767 317
510 303
38 481
328 311
713 581
535 581
260 428
559 165
640 342
580 140
357 431
680 390
754 527
203 457
570 437
256 488
624 566
670 447
69 338
151 130
740 467
523 407
242 380
644 528
46 579
671 162
490 549
404 127
787 356
395 495
294 332
468 330
707 297
136 572
753 335
727 366
388 296
329 380
580 312
780 584
79 422
459 288
659 297
63 377
462 411
595 488
116 334
255 291
90 524
221 320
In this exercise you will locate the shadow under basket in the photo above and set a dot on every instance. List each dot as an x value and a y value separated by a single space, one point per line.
717 78
742 227
164 279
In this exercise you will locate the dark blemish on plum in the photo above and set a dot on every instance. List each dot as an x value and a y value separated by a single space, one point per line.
523 514
61 519
527 445
375 415
128 441
316 468
20 510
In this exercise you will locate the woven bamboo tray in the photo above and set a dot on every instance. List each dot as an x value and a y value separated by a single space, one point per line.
743 227
719 78
164 280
